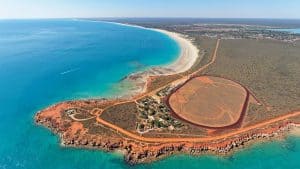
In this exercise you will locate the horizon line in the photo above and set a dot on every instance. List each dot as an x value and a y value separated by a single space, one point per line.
28 18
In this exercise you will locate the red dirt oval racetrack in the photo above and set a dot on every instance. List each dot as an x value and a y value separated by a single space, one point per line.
209 101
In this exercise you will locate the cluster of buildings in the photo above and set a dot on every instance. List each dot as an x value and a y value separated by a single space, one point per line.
154 114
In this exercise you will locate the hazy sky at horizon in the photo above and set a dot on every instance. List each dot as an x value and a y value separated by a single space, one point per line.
150 8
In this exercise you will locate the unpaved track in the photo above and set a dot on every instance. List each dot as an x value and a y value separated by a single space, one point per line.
190 139
214 57
196 139
178 81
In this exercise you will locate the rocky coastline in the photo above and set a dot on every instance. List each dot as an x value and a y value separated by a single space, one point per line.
136 152
90 130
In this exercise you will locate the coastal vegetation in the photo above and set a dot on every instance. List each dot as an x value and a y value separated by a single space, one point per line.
234 86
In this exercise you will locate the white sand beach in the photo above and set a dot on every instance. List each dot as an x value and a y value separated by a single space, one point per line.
188 54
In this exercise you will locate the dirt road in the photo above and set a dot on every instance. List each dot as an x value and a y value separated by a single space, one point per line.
195 139
191 139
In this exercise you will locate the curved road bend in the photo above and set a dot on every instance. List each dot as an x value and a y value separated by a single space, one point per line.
194 139
183 79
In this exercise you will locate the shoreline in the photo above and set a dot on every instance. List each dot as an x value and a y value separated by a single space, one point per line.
188 51
108 136
137 152
188 56
185 60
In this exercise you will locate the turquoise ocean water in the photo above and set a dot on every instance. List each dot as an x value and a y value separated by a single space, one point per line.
46 61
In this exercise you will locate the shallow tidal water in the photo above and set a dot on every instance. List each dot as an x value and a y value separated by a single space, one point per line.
46 61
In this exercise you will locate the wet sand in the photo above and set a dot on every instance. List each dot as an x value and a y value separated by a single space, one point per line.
188 54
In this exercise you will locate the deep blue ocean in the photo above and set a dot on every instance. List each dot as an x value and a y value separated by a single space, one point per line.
43 62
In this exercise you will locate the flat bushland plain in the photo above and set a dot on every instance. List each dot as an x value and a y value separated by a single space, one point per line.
269 69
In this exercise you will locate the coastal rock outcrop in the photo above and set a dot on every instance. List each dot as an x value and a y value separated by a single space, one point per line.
74 134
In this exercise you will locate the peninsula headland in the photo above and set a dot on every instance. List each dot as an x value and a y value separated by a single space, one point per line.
219 95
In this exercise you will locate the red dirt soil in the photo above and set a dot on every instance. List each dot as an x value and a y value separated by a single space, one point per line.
209 101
